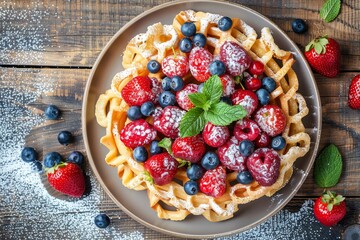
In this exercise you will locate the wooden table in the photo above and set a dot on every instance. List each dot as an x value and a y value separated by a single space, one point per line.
58 42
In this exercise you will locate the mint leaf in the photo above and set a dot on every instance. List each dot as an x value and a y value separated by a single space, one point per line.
222 114
166 143
328 167
213 89
199 100
192 123
330 10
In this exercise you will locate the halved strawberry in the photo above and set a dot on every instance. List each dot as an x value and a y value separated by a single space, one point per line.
162 168
199 61
138 91
213 182
137 133
189 148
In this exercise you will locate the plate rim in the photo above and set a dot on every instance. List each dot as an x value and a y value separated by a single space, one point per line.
85 112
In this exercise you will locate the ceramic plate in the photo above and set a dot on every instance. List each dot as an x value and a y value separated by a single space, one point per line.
136 203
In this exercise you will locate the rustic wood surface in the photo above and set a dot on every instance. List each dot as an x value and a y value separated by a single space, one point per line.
74 32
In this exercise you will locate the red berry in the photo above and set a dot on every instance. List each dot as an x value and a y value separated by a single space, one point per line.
246 129
182 96
175 66
162 168
252 83
271 120
235 58
137 133
167 120
215 136
264 166
247 99
199 61
138 91
230 155
354 93
189 148
263 140
256 68
228 84
330 208
213 183
155 89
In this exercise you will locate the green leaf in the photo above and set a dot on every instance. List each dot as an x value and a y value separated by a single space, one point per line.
192 123
166 143
213 89
199 100
328 167
222 114
330 10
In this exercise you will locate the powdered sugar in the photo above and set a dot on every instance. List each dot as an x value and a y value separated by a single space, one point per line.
235 58
230 155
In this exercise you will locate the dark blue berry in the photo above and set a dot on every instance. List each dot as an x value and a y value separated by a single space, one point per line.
217 67
154 148
177 83
299 26
278 143
52 112
246 147
134 113
244 177
36 166
226 100
140 154
191 187
224 23
76 157
352 232
65 137
185 45
268 83
28 154
201 86
51 159
153 66
167 99
147 109
210 160
263 96
199 40
165 84
188 29
102 220
195 172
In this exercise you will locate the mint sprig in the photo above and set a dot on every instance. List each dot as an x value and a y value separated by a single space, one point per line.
208 108
330 10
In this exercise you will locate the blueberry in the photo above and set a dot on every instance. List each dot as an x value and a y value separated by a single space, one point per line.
195 172
278 143
201 86
65 137
217 67
134 113
76 157
28 154
226 100
199 40
188 29
244 177
263 96
52 112
246 147
140 154
154 148
210 160
352 232
177 83
147 109
102 220
224 23
268 83
299 26
185 45
153 66
165 84
191 187
51 159
167 99
36 166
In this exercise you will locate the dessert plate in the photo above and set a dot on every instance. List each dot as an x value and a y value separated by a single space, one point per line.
135 203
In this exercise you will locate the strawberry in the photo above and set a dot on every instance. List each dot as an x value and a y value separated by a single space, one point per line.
228 84
230 155
182 96
215 136
271 120
137 91
162 168
354 93
199 61
213 182
330 208
246 129
189 148
247 99
67 178
137 133
167 120
235 58
323 55
175 65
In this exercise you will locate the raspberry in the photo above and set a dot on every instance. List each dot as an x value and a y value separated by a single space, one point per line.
235 58
230 155
155 89
246 129
137 133
167 120
228 85
175 66
247 99
213 183
215 136
189 148
162 168
137 91
263 140
199 61
271 120
182 96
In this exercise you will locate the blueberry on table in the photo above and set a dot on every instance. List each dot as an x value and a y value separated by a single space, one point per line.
188 29
246 147
102 220
154 147
76 157
147 109
191 187
199 40
217 67
352 232
195 172
153 66
140 154
51 159
65 137
268 83
278 143
210 160
165 83
177 83
224 23
263 96
134 113
28 154
167 98
52 112
185 45
299 26
244 177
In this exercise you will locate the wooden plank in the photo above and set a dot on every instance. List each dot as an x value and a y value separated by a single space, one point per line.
72 33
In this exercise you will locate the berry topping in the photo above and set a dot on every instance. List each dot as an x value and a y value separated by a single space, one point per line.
199 40
153 66
188 29
268 83
175 66
213 183
176 83
195 172
264 166
299 26
235 58
245 98
134 113
137 133
137 91
162 168
210 160
191 187
256 68
215 136
217 67
263 140
168 120
28 154
230 155
252 83
228 85
76 157
165 84
263 96
102 220
185 45
246 129
189 148
182 96
155 89
354 93
278 143
271 120
51 159
224 23
167 98
147 109
244 177
52 112
65 137
246 147
140 154
199 61
154 147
